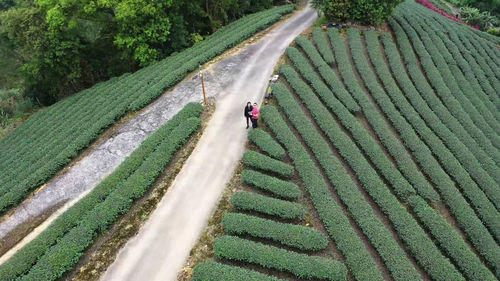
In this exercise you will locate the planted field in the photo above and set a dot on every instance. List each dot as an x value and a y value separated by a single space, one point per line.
50 139
58 248
394 138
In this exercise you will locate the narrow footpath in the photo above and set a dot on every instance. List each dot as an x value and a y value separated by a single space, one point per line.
160 248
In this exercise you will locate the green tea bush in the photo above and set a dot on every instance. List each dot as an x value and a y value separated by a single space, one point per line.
443 232
159 146
247 201
326 72
357 258
466 217
268 164
214 271
485 209
266 143
415 238
407 167
300 265
296 236
274 185
323 45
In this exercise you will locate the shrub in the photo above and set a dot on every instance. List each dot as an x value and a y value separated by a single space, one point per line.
266 143
323 45
247 201
268 164
451 196
169 134
274 185
300 265
358 259
214 271
296 236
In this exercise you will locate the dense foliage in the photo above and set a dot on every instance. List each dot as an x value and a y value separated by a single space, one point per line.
50 139
67 46
266 163
371 12
58 248
300 265
292 235
247 201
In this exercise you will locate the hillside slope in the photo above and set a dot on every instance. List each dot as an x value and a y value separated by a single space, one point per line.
395 141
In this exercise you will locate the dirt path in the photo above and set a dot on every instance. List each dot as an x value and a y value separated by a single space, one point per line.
159 250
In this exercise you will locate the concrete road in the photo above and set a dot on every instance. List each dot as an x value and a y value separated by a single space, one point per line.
160 248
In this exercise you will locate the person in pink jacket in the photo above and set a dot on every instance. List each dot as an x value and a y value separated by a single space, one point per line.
255 116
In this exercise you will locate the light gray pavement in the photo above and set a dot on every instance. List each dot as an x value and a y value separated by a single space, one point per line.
160 248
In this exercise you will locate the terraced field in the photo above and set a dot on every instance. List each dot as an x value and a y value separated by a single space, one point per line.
59 247
379 161
50 139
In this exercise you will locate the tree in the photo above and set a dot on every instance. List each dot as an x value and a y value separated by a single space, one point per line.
371 12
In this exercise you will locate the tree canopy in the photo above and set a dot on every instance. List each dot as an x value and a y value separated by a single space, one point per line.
65 46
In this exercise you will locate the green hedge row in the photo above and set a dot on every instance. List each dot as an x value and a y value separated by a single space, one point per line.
323 45
40 147
485 209
451 196
415 238
266 143
405 164
327 72
296 236
444 233
247 201
274 185
266 163
213 271
377 233
479 68
451 75
300 265
473 91
456 80
463 125
489 160
62 256
357 258
22 261
466 62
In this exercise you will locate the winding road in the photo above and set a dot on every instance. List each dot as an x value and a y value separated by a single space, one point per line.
160 248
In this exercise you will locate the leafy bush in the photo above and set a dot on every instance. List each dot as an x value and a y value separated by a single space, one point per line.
268 164
300 265
462 174
213 271
51 138
484 20
274 185
247 201
440 229
323 45
357 258
266 143
416 240
296 236
371 12
326 72
466 217
156 149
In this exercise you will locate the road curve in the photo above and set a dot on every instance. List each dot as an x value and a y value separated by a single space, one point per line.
160 248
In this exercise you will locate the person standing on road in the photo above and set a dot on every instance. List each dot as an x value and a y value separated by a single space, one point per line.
255 116
248 112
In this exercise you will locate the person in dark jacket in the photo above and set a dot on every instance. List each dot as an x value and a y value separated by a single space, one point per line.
248 112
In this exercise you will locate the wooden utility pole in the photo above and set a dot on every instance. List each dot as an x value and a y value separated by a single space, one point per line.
203 87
